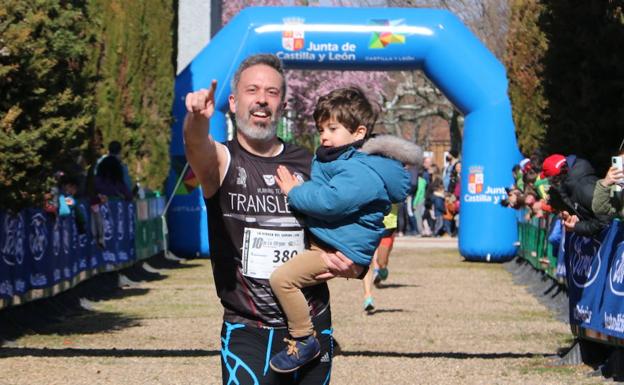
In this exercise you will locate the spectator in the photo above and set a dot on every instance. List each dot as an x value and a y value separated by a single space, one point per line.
114 150
437 200
608 195
572 183
454 177
516 172
449 214
69 189
427 171
406 219
449 170
419 204
109 179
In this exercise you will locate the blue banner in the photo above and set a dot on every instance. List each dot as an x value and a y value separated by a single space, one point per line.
39 250
595 276
586 267
612 305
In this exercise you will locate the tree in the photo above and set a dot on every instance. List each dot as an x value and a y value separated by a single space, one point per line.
584 78
133 64
415 99
46 111
525 51
305 87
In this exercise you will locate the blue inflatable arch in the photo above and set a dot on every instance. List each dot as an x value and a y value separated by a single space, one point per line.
434 41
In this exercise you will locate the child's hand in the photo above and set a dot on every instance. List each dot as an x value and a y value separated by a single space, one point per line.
285 180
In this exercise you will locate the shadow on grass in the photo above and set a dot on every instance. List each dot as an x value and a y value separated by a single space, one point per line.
382 286
72 311
70 352
378 311
60 321
451 355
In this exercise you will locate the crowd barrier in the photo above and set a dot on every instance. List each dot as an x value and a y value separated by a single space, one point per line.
43 254
592 271
534 245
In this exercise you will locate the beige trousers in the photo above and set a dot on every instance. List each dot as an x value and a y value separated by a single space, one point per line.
287 282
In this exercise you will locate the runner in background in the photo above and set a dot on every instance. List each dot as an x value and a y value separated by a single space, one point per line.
379 264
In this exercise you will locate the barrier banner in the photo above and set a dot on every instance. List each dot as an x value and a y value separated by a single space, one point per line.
611 314
39 250
586 266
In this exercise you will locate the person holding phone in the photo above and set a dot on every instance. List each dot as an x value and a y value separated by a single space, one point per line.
608 196
572 183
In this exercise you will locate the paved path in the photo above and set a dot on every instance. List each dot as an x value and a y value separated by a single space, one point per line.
439 320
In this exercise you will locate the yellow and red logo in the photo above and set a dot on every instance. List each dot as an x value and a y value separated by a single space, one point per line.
475 180
293 39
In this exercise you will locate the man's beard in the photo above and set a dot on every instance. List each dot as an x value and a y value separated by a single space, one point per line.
258 131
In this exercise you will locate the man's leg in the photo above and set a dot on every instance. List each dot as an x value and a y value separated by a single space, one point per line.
367 282
246 351
245 354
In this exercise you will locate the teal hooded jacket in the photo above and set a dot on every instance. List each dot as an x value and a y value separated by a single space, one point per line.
346 199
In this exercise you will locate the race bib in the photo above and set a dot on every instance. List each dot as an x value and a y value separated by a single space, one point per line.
266 250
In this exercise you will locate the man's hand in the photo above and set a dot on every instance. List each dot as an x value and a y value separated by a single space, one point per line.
285 180
569 221
339 266
614 175
202 102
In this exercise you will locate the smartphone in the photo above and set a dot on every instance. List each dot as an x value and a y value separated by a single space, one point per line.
616 161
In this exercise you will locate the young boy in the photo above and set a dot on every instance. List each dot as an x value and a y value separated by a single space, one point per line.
353 183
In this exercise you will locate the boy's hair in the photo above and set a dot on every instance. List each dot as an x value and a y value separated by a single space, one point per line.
265 59
349 106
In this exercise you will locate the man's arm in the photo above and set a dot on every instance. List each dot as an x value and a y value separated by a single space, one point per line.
207 158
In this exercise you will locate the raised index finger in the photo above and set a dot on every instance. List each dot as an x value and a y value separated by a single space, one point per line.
213 87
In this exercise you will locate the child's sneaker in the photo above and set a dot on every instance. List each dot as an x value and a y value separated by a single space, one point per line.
296 354
369 305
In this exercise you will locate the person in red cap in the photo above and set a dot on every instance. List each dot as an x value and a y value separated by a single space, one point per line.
553 165
572 181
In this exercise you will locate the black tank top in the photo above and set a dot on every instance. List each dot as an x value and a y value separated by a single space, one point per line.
250 229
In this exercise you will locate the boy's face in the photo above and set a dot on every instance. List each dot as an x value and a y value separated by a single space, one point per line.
334 134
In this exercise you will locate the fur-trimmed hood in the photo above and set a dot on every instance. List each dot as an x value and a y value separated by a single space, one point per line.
391 146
